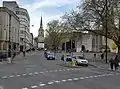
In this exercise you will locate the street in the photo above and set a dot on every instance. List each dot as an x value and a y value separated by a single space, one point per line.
35 72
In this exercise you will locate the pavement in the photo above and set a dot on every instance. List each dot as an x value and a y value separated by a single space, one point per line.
35 72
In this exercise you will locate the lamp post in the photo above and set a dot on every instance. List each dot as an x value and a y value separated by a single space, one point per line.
9 50
106 3
25 41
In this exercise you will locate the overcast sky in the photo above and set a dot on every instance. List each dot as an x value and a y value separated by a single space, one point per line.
49 9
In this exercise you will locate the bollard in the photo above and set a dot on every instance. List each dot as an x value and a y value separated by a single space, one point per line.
73 62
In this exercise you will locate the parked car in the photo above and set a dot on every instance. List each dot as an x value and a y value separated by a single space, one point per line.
81 61
68 57
50 56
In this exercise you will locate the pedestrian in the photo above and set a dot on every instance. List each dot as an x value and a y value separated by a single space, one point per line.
111 63
116 62
14 54
102 56
94 55
24 53
62 58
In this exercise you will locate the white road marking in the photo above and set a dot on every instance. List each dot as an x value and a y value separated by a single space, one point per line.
104 75
90 76
60 70
99 75
30 73
72 69
25 88
50 83
4 77
68 69
17 75
86 77
81 78
75 79
57 81
69 79
41 72
36 73
64 80
42 85
24 74
96 76
34 86
12 76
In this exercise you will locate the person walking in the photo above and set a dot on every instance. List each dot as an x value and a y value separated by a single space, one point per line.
102 56
94 55
62 58
116 62
111 63
24 53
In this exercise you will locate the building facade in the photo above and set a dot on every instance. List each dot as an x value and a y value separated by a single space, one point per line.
90 41
25 35
9 30
35 42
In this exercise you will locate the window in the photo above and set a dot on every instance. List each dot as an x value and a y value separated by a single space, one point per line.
21 32
5 46
17 12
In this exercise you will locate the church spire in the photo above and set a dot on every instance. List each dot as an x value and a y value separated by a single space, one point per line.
41 25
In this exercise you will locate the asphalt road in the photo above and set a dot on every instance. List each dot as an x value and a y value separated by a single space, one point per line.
35 72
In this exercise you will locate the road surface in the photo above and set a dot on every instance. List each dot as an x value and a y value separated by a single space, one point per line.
35 72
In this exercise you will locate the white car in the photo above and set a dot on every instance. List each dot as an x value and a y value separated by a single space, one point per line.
68 58
81 61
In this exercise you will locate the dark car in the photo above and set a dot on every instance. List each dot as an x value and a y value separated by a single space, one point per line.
51 56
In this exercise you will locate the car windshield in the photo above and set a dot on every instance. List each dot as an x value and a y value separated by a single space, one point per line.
51 53
68 55
80 57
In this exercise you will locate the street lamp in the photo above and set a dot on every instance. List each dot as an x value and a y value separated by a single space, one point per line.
25 41
106 3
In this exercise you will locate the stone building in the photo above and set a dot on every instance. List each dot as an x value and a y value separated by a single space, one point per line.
22 13
9 30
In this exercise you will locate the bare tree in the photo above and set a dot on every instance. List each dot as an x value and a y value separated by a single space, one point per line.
55 30
91 16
